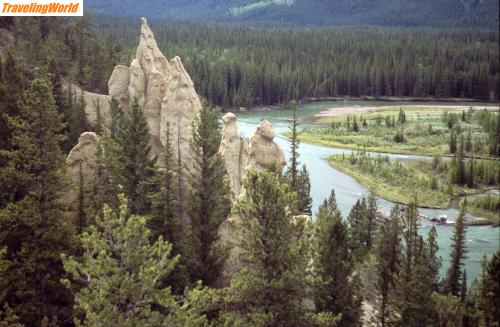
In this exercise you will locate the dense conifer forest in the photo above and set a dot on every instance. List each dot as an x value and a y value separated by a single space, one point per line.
235 66
141 252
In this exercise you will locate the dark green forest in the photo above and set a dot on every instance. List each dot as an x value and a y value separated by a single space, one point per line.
235 66
141 252
399 13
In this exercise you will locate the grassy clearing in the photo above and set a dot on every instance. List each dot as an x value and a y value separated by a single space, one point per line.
485 206
424 131
430 182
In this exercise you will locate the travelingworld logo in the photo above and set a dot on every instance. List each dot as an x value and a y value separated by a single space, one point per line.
41 8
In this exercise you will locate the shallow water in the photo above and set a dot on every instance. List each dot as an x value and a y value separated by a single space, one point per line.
483 240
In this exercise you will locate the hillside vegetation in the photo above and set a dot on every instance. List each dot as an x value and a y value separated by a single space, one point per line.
448 13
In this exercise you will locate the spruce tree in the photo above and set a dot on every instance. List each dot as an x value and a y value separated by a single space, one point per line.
418 309
117 277
78 123
270 289
372 219
453 142
107 180
304 192
116 118
358 228
293 170
138 164
389 263
336 291
33 228
433 261
164 220
209 199
458 253
490 290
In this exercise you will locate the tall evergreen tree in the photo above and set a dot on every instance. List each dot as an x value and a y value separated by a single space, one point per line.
490 291
418 309
137 159
458 253
389 263
209 199
107 181
116 118
358 228
304 192
33 228
120 272
372 219
164 220
336 291
293 170
270 289
433 260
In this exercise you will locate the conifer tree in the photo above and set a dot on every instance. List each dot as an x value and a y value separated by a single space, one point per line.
107 180
293 170
418 309
78 122
209 199
304 192
490 290
33 228
120 272
116 118
358 228
164 220
336 290
389 263
458 253
138 166
372 219
433 260
270 289
11 89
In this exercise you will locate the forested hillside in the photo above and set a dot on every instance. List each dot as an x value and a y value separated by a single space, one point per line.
473 13
242 66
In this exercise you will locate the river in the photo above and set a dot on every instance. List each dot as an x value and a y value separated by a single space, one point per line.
481 240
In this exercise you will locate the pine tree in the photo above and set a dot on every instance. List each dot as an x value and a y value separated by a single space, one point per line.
33 228
293 170
458 253
490 290
355 126
81 219
270 289
389 262
304 192
335 291
164 220
209 199
119 273
372 219
11 88
470 176
418 309
434 261
78 123
410 237
116 118
137 162
107 180
461 178
358 228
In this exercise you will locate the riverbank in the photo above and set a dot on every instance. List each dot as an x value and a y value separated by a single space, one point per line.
347 99
416 130
404 182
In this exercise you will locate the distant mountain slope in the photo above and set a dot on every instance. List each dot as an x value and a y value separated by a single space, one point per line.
447 13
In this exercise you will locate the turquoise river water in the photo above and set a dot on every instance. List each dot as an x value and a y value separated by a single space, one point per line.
481 240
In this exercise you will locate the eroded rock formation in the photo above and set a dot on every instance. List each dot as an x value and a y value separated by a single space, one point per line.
164 90
241 155
81 160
